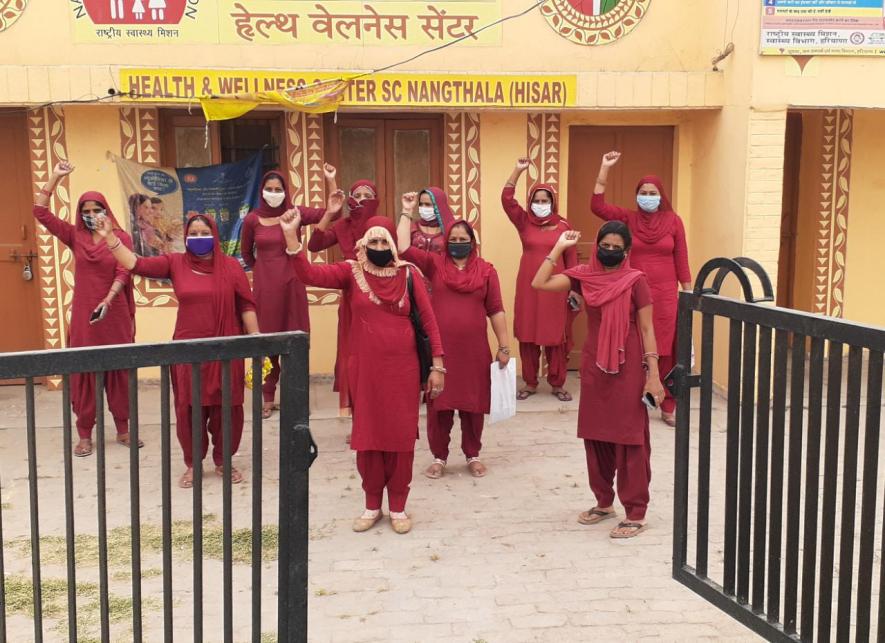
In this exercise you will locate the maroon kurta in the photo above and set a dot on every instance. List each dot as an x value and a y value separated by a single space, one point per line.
611 408
198 318
462 319
383 362
539 317
665 263
433 242
280 297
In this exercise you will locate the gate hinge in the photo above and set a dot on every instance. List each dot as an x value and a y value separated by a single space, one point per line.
679 378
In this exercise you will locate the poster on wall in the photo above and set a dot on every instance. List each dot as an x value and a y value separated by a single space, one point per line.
823 28
280 22
159 200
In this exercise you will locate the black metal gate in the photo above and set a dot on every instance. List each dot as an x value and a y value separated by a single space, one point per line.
797 554
296 453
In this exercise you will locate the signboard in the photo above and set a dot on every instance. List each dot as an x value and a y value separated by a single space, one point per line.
378 90
823 28
281 22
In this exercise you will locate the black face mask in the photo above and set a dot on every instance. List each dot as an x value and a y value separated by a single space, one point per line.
610 258
380 258
460 249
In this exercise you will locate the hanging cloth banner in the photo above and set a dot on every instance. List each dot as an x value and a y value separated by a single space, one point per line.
319 98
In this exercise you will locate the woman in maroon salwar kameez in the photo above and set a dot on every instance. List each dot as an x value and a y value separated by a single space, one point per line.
97 282
214 300
362 205
619 365
660 251
280 297
465 292
383 367
435 218
540 319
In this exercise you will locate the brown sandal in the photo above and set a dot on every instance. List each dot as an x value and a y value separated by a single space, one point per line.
525 394
235 476
595 515
83 450
562 395
436 470
186 481
123 438
477 469
635 528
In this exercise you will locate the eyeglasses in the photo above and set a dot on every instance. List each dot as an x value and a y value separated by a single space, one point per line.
609 246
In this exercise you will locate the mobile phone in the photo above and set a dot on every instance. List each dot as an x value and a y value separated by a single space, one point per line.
96 315
649 400
573 303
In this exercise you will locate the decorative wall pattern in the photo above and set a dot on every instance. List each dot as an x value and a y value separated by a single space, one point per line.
304 152
461 166
543 150
140 142
10 12
46 142
832 237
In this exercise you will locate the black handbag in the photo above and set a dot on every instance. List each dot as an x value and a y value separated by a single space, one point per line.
422 341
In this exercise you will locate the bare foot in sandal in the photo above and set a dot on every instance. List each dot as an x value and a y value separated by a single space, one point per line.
186 481
83 448
477 469
436 470
235 476
562 395
123 438
526 393
267 410
595 515
628 529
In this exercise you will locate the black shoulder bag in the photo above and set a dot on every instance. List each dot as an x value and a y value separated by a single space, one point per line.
422 341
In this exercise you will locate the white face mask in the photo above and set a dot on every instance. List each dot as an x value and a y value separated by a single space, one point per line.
274 199
427 212
542 210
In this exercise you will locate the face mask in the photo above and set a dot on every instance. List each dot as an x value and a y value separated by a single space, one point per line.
274 199
460 249
366 207
380 258
200 245
542 210
610 258
427 213
90 220
649 202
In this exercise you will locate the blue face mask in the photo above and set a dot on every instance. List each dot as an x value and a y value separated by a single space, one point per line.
200 245
649 202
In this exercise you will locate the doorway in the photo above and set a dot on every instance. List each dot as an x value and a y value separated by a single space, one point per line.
646 150
20 304
786 264
399 153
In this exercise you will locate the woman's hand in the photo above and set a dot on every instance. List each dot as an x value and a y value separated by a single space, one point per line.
335 202
610 158
568 239
62 168
502 358
104 228
290 222
102 310
329 171
522 164
410 201
654 386
435 384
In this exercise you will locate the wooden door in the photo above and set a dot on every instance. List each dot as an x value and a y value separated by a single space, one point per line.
20 303
786 264
645 150
398 153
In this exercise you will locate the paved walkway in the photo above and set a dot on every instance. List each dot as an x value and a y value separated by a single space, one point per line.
500 559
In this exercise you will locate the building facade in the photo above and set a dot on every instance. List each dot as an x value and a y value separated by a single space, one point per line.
768 156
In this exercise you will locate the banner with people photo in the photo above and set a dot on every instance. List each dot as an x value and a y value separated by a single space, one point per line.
159 200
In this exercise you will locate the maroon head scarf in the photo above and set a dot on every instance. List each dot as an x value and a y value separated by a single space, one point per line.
359 212
444 216
651 227
475 273
611 291
221 267
264 209
554 217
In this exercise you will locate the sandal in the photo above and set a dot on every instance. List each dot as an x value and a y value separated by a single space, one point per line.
477 469
668 418
633 529
123 438
595 515
562 395
525 394
436 470
186 481
401 525
267 410
83 448
235 476
362 524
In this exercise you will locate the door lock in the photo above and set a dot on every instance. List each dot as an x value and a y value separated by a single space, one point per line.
28 270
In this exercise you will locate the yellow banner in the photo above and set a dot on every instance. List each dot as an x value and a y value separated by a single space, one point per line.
379 90
282 22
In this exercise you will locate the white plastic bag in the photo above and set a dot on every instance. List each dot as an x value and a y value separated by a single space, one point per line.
503 392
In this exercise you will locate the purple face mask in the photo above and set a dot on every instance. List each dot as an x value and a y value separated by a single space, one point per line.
200 246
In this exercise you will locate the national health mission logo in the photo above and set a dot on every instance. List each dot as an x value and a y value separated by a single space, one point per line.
594 22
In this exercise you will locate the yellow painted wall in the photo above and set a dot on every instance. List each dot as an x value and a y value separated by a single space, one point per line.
866 223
